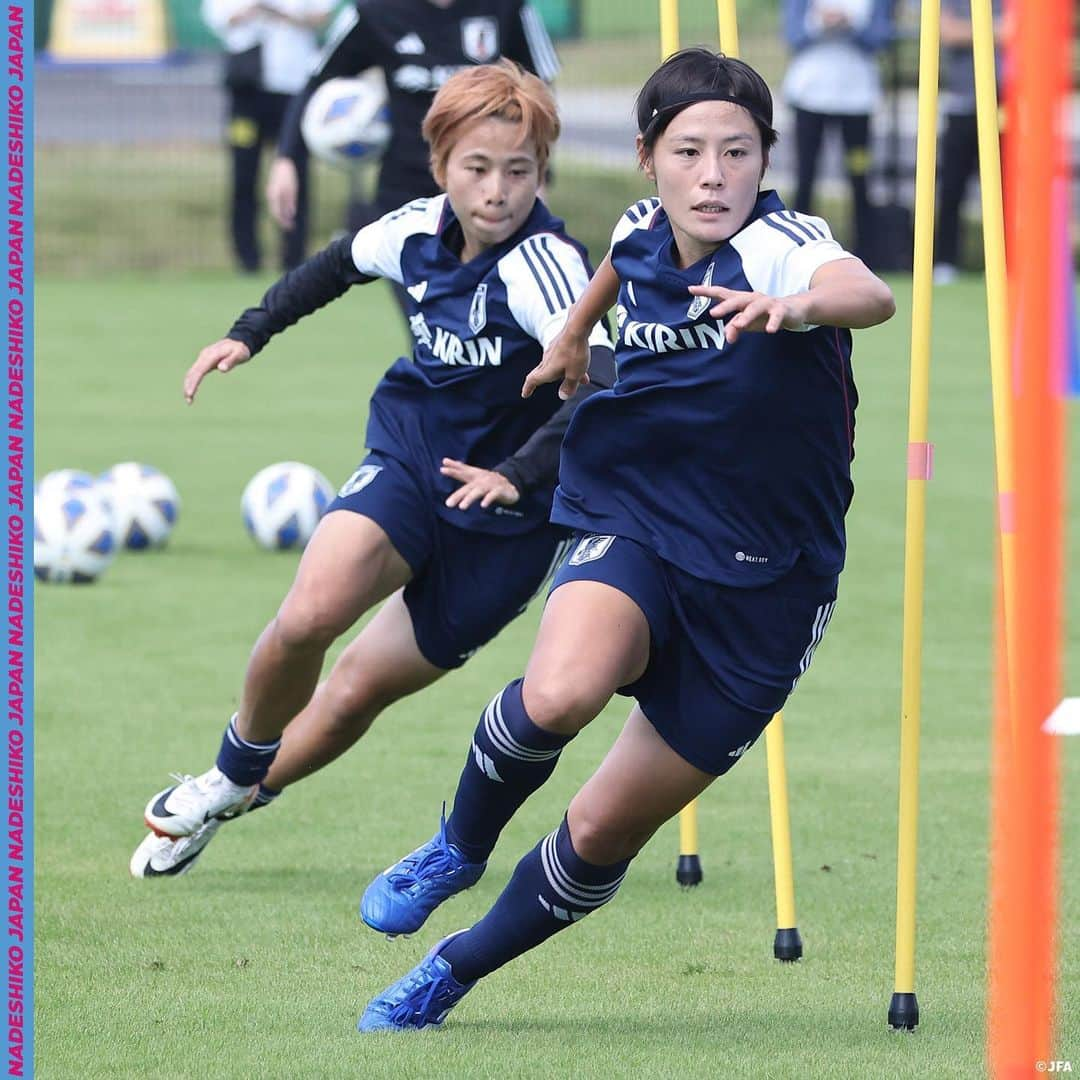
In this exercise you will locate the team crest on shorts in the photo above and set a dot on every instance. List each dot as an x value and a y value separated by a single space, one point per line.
359 480
480 39
591 548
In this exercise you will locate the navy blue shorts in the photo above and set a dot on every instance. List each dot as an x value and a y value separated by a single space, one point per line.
466 585
722 660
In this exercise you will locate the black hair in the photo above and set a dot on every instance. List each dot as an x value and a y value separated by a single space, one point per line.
699 74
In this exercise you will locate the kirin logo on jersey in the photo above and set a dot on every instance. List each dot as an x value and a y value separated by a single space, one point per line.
661 338
480 39
450 349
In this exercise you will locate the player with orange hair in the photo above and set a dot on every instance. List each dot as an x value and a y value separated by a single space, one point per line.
446 519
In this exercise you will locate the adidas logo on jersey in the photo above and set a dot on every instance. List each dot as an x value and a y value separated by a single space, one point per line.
661 338
409 45
415 79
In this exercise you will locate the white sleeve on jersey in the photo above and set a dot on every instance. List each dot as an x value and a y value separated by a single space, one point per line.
543 276
638 216
376 248
782 251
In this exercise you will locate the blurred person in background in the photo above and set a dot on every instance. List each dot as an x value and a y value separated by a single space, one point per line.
418 45
833 81
270 47
959 157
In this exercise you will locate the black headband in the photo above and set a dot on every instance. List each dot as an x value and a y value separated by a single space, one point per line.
693 98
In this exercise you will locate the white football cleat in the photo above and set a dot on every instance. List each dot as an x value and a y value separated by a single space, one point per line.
196 800
161 856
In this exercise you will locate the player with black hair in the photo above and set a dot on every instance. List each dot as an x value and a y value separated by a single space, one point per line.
708 489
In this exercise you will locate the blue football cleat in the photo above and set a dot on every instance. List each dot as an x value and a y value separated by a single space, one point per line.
401 898
419 999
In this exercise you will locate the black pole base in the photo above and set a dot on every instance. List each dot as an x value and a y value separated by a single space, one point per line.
688 872
903 1012
787 945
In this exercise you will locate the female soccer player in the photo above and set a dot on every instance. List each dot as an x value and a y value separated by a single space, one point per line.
709 488
458 548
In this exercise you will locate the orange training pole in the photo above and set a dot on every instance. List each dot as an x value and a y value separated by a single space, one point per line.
1024 858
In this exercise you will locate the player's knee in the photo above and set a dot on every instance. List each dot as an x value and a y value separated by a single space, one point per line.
562 707
600 838
353 698
307 623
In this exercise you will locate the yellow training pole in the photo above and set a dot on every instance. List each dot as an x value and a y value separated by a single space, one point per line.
688 868
669 28
993 227
787 944
729 27
688 871
904 1008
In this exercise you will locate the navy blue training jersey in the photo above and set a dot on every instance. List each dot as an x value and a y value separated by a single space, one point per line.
478 328
729 461
419 45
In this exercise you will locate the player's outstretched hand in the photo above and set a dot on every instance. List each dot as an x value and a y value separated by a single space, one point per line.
566 358
282 190
223 355
752 311
483 484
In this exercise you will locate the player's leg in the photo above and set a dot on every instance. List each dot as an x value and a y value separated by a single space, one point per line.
959 160
594 638
348 566
382 665
295 241
809 132
855 130
244 148
573 871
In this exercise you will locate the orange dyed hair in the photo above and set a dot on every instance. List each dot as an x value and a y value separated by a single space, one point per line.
503 90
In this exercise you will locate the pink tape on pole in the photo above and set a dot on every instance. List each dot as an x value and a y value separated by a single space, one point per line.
920 461
1007 511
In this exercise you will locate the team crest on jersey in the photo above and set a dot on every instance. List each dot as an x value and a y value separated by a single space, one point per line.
480 38
591 548
359 480
700 304
478 309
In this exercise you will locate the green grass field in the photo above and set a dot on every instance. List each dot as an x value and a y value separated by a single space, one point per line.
256 964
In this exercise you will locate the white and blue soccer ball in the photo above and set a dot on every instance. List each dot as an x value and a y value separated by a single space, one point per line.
282 504
62 480
74 538
347 121
145 503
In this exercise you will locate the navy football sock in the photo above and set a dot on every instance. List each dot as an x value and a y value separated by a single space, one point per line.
552 888
245 763
509 759
263 797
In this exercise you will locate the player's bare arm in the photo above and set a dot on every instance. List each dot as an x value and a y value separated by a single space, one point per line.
842 293
567 357
221 356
